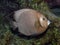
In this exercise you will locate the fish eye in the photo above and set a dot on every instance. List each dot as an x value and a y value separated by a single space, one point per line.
43 18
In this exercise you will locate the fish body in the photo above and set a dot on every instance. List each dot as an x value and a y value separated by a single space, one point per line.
30 22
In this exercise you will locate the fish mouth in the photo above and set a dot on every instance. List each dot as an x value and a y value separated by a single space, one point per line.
49 22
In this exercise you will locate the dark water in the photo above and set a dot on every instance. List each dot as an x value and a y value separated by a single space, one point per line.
56 11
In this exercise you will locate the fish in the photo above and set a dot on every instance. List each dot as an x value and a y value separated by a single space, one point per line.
30 22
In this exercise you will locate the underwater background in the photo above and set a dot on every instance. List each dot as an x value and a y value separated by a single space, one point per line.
50 37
